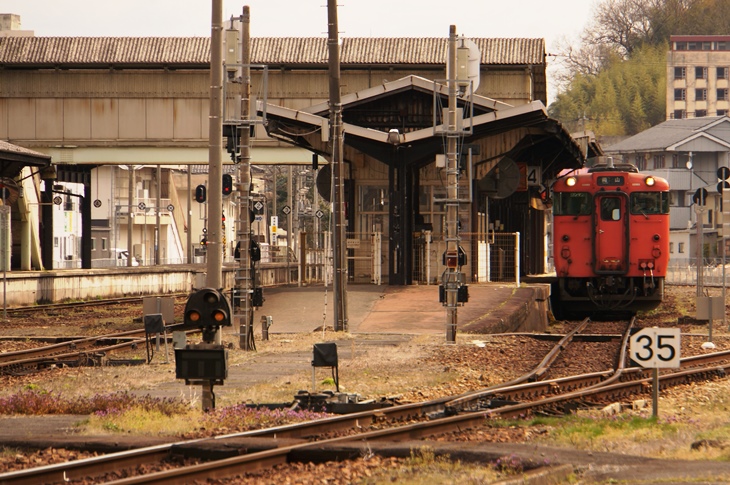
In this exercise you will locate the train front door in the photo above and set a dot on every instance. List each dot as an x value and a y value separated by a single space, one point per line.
611 243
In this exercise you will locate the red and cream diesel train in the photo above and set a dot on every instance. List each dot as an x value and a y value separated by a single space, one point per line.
610 241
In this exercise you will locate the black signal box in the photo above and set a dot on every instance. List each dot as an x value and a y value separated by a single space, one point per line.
207 307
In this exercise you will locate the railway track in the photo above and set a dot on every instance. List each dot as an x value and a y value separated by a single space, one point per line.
83 304
78 352
518 397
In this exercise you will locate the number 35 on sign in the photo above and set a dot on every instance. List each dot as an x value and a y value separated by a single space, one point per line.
656 347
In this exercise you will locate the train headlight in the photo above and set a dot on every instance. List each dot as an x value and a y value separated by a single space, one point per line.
565 253
649 181
570 181
656 253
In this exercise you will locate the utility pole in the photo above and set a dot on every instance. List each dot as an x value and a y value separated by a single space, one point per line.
130 215
340 266
215 145
699 210
451 275
158 204
215 197
245 324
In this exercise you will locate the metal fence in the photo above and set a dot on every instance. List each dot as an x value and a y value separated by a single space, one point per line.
503 257
367 259
684 272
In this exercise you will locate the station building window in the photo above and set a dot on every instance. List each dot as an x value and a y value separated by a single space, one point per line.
700 113
680 72
680 94
676 162
374 205
680 247
722 94
678 114
658 161
722 73
700 72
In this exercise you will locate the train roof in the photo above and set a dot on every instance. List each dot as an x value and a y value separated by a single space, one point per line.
618 167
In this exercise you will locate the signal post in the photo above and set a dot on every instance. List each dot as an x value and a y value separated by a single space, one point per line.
452 291
205 363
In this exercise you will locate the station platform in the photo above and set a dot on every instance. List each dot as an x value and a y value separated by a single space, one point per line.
492 308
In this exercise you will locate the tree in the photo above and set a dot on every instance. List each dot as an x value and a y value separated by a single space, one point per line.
617 75
611 102
622 24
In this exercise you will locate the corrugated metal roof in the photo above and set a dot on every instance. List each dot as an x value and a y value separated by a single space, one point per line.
15 149
663 135
40 51
104 50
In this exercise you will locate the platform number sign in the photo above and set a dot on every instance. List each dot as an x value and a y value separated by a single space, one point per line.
656 347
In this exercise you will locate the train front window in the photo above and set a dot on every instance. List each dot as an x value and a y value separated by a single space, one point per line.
572 204
610 209
650 203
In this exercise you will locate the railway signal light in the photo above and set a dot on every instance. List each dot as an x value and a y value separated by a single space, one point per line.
200 193
227 184
700 196
207 308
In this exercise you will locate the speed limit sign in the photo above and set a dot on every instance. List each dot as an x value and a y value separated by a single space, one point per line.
656 347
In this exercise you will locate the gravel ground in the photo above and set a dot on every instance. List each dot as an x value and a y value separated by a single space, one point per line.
477 361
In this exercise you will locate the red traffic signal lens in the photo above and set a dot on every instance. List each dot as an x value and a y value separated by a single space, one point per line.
227 184
219 316
200 193
194 316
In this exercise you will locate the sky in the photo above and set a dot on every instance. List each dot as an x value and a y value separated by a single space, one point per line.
548 19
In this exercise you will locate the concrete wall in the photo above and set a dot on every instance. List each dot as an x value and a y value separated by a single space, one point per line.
38 287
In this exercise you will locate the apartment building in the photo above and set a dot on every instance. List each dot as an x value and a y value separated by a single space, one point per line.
698 68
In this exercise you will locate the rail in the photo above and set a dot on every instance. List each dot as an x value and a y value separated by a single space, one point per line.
552 394
355 421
